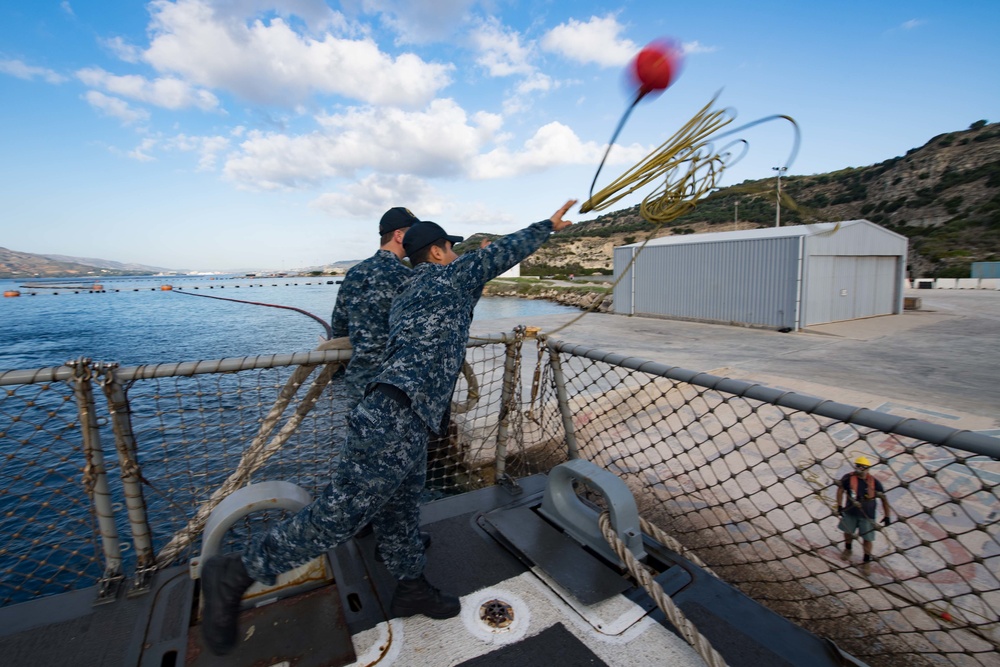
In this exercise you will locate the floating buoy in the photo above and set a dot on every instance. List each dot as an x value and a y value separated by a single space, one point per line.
166 288
12 292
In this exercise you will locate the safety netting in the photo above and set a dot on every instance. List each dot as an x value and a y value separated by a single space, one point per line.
109 472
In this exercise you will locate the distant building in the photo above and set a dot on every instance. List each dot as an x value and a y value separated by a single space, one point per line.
986 270
512 272
782 277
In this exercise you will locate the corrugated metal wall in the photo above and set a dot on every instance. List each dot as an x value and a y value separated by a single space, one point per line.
985 270
848 288
854 272
748 281
622 294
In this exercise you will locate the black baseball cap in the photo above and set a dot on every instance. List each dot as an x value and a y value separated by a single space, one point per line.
396 218
424 233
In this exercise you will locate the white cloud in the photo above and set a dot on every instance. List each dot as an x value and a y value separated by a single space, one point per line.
437 141
115 107
141 152
27 72
441 141
597 41
65 6
269 62
501 52
695 47
169 93
419 21
208 148
372 196
552 145
912 23
122 49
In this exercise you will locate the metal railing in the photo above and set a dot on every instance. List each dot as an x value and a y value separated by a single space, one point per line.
106 490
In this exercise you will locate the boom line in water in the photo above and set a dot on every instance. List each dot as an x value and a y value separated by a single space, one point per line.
326 325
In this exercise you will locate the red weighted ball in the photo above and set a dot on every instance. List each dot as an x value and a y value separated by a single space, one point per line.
656 66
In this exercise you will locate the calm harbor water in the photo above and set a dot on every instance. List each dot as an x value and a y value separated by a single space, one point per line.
134 322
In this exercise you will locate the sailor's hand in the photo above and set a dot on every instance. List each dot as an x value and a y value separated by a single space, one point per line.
484 243
558 223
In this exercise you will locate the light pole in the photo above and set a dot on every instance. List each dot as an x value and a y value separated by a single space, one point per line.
777 208
736 216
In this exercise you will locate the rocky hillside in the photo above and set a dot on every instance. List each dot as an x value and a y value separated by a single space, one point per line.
15 264
943 196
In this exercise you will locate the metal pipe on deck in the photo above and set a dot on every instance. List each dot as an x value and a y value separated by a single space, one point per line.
95 478
131 474
562 397
511 371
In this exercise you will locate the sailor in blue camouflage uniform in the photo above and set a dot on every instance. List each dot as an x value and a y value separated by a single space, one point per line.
384 462
362 308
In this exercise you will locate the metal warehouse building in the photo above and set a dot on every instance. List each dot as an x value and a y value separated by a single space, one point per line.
779 277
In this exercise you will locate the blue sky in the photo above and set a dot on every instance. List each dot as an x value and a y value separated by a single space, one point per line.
272 134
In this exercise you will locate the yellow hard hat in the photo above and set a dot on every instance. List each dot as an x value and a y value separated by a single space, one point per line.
862 461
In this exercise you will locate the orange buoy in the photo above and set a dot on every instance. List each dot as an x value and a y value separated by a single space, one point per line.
12 292
166 288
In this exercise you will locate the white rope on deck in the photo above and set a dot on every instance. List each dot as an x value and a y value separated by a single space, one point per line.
687 629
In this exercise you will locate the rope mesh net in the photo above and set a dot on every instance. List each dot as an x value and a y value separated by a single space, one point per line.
47 530
744 485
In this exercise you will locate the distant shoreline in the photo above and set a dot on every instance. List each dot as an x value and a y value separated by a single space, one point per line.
580 296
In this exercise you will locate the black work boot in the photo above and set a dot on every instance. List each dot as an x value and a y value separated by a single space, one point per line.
223 582
425 539
417 596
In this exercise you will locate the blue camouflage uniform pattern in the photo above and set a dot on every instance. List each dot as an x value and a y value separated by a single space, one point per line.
384 463
429 321
362 313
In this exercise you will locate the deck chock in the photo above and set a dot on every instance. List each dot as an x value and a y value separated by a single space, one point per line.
109 586
562 506
509 484
263 496
142 582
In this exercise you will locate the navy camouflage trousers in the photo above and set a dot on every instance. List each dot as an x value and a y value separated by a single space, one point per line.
379 480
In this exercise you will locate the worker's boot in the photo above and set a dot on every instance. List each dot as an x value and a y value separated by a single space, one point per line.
417 596
224 579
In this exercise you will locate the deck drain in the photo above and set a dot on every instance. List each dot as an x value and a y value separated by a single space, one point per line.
497 614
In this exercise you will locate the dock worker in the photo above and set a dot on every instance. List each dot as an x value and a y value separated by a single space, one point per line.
383 467
858 515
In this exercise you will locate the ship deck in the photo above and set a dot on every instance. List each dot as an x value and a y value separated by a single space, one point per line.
552 601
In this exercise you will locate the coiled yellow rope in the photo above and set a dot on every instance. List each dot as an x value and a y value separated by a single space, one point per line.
686 166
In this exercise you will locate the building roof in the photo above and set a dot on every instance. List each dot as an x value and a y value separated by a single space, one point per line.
753 234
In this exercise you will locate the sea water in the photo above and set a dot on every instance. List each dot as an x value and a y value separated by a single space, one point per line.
132 321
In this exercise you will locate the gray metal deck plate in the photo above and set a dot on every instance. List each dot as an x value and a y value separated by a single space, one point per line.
553 646
577 570
305 630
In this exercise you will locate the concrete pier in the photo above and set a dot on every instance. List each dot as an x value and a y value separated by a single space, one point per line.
939 364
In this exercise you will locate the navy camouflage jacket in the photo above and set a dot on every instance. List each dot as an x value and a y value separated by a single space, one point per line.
430 319
362 313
